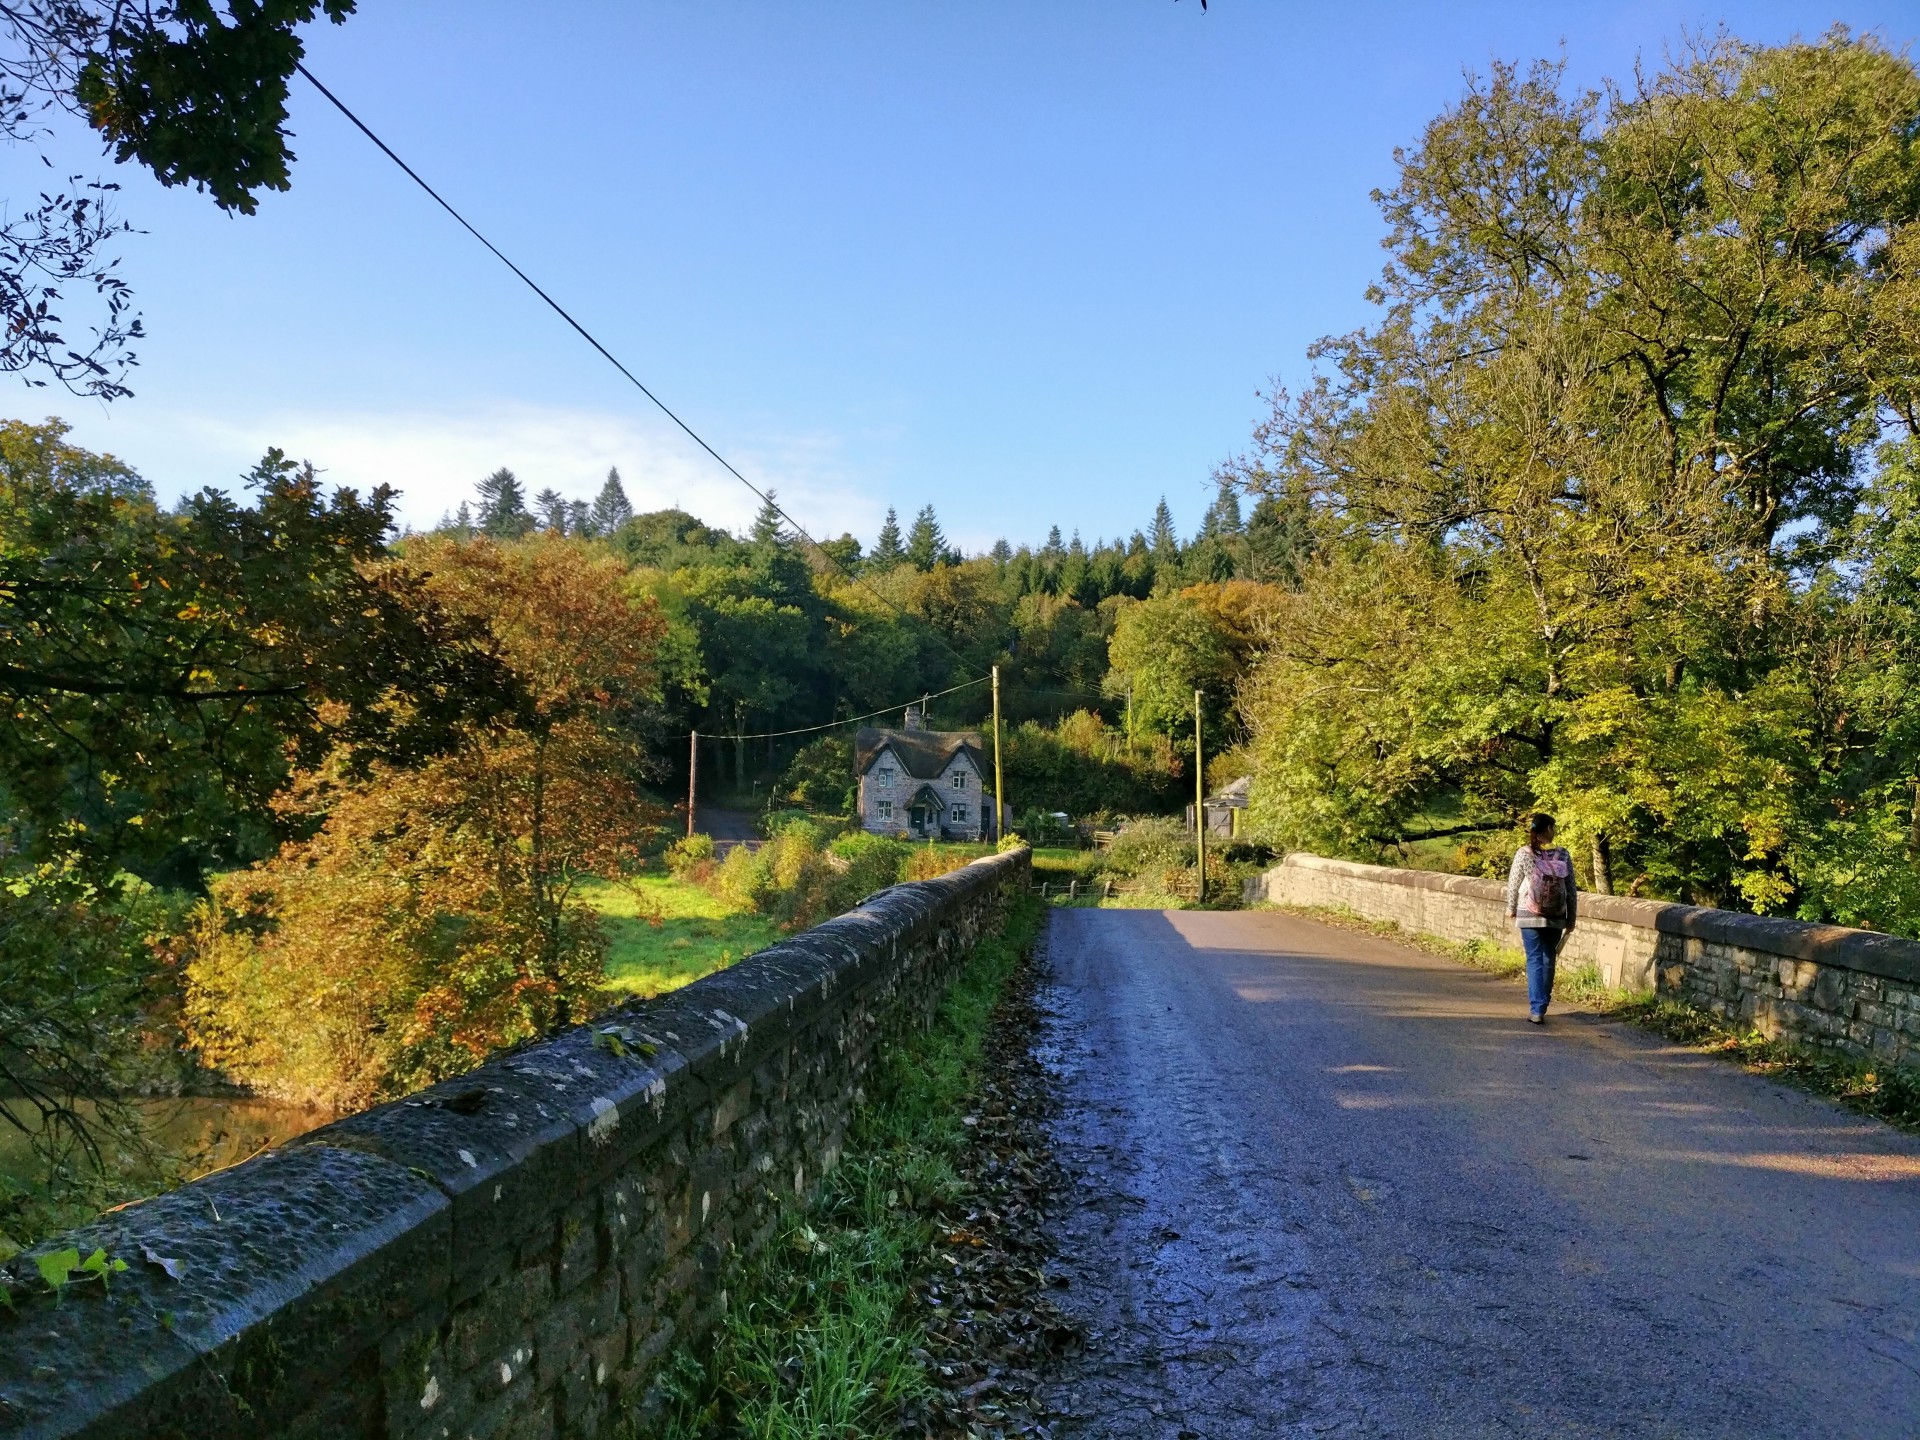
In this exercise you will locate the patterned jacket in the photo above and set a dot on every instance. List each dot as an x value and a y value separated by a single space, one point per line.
1520 901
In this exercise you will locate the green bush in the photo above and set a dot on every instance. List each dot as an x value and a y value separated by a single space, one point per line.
873 863
689 856
805 874
1149 847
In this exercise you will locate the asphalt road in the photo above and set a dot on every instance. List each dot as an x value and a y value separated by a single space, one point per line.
1327 1184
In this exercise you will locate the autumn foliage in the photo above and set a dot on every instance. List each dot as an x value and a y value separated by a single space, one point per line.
432 916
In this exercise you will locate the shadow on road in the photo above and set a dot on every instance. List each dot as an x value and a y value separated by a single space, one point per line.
1326 1183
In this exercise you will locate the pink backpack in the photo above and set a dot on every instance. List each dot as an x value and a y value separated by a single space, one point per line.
1551 889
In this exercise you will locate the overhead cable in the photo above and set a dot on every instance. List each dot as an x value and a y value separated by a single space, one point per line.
613 360
851 719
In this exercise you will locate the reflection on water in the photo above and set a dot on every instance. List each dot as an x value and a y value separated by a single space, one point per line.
202 1132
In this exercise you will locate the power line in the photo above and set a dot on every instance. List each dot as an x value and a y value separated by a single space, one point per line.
587 335
850 720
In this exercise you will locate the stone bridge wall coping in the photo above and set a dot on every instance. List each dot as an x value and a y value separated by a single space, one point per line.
1866 951
512 1253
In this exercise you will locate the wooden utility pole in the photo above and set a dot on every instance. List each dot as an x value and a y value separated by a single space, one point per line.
999 794
693 773
1199 800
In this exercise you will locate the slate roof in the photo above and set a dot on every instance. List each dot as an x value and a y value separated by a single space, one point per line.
923 754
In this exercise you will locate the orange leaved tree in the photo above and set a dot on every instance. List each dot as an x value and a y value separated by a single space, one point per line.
432 916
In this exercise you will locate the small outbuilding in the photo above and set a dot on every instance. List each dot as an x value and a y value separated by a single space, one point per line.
1224 807
921 783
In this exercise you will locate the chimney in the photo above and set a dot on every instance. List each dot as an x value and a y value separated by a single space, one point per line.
913 717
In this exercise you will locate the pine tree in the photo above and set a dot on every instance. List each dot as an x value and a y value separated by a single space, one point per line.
463 521
1280 538
769 526
1053 552
1073 572
1223 516
1002 553
926 546
887 551
611 509
580 519
552 508
503 506
1162 539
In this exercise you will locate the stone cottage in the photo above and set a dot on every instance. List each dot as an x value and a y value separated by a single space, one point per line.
923 783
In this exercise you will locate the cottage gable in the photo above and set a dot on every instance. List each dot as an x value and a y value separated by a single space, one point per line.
923 782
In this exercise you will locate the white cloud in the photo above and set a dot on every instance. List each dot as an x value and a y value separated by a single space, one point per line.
434 458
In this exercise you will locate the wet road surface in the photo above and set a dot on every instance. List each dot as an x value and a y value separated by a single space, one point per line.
1324 1184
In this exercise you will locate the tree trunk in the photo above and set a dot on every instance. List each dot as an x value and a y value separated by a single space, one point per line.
1602 865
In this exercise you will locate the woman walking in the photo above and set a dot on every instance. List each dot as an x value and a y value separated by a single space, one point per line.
1542 901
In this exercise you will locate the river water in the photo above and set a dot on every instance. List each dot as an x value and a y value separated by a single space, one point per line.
206 1132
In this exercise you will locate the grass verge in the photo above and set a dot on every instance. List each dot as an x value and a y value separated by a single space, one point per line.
826 1334
663 932
1886 1092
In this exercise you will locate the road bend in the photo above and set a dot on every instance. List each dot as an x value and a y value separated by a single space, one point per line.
1326 1184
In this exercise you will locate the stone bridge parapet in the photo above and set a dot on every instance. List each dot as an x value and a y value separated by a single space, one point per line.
512 1254
1856 992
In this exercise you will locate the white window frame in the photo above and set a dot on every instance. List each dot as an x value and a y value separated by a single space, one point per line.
885 776
883 809
959 813
958 780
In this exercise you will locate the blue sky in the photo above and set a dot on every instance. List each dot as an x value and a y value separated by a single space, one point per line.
1028 261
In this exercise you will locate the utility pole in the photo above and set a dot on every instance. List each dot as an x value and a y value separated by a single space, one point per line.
693 773
999 794
1199 800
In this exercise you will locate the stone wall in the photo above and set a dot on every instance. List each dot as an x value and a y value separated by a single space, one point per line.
511 1254
1853 991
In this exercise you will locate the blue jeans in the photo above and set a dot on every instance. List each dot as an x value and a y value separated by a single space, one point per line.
1543 949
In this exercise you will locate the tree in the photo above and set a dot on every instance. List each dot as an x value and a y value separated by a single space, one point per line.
554 511
769 530
160 676
160 673
887 550
820 776
926 545
1578 500
434 916
580 520
1280 539
1002 553
197 95
1161 538
1165 648
503 506
611 509
843 553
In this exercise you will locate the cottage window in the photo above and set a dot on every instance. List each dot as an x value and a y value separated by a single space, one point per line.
884 809
885 773
959 814
959 780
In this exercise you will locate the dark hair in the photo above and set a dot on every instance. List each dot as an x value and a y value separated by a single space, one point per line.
1541 823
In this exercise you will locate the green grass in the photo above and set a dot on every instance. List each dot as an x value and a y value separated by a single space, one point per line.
1887 1092
822 1338
663 933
